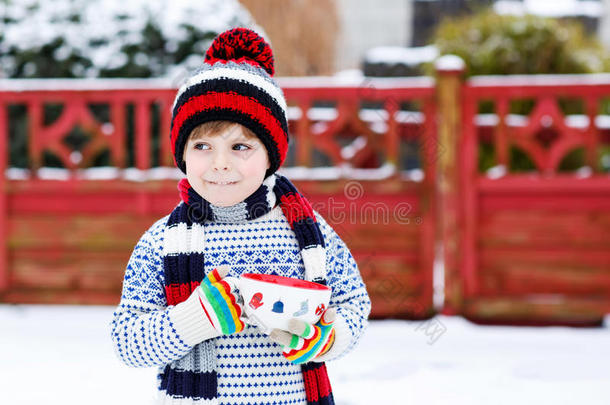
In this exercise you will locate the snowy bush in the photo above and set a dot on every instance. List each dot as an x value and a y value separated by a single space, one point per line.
493 44
505 44
105 38
110 38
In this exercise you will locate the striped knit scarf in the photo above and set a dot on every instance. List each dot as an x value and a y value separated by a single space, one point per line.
183 264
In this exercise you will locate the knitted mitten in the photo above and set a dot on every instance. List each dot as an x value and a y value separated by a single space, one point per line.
305 342
220 302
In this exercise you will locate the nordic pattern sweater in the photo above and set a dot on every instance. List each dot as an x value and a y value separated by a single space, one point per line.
146 332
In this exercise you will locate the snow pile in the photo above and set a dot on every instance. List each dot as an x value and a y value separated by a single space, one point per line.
450 63
97 36
96 84
63 355
555 8
401 55
397 61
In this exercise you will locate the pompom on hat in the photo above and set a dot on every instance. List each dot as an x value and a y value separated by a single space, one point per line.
234 84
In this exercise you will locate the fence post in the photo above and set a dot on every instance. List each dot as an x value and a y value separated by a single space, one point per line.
449 69
4 156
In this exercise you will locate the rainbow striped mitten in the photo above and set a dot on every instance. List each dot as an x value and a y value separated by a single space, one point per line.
305 342
220 302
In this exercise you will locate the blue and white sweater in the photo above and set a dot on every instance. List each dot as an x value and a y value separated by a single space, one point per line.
251 369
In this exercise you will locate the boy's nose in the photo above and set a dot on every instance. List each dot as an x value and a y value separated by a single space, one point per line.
221 162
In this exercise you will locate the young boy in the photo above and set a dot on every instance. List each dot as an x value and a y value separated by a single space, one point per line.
229 136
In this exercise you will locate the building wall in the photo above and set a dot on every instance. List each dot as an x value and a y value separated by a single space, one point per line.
364 24
603 29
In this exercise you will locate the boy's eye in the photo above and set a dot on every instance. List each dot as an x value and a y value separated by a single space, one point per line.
241 146
201 146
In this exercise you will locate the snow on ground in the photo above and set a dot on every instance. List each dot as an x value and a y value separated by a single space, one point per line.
63 355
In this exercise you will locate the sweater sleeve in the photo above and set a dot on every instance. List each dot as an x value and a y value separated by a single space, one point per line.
349 295
145 331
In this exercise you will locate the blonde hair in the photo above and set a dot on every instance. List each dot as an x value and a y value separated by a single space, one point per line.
213 128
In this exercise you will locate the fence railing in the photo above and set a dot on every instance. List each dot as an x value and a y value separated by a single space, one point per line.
132 117
378 133
472 158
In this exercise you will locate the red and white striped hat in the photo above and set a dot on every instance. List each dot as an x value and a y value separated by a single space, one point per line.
234 84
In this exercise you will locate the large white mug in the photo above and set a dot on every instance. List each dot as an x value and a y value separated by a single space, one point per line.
271 301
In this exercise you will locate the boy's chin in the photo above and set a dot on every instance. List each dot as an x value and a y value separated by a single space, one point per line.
220 201
224 203
225 195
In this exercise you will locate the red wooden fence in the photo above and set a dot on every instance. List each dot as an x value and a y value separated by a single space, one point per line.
532 247
517 246
67 236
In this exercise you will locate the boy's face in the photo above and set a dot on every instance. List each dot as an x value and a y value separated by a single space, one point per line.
226 167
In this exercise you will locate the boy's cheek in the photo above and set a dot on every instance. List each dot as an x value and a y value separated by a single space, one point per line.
196 163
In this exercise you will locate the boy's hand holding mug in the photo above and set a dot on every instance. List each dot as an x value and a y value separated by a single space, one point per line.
270 299
220 302
303 342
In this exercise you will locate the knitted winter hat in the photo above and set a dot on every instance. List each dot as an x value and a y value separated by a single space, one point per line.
235 85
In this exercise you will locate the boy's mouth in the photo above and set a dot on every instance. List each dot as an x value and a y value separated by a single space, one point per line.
221 183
